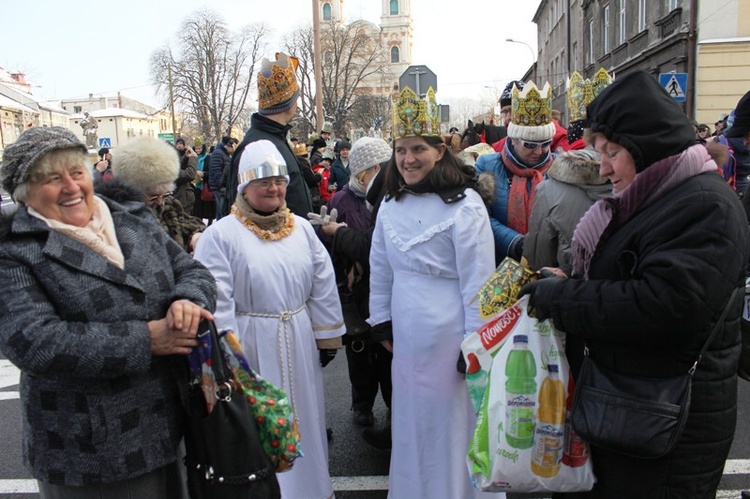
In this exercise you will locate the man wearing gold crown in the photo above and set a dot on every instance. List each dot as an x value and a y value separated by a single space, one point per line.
520 167
278 91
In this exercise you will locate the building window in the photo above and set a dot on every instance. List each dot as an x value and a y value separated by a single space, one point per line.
673 4
551 71
77 109
605 30
394 54
574 55
622 28
591 42
326 11
642 15
394 7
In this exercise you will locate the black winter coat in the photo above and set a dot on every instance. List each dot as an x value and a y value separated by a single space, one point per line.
262 128
654 291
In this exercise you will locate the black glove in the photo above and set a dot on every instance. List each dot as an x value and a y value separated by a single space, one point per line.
515 251
540 293
382 331
461 364
326 356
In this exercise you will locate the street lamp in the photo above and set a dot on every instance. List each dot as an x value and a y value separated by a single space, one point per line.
533 55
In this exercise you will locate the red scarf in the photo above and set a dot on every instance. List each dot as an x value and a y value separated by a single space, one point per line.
521 195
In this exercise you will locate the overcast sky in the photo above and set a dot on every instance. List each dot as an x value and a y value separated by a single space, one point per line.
107 45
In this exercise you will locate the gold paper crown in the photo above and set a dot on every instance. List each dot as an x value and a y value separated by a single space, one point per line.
415 117
582 91
532 107
277 82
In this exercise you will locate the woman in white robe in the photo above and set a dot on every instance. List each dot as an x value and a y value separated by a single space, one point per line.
432 249
277 291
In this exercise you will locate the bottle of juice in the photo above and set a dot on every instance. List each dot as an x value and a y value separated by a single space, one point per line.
476 381
549 433
520 394
575 451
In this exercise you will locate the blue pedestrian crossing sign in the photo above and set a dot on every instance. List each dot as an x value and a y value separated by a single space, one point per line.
675 84
105 142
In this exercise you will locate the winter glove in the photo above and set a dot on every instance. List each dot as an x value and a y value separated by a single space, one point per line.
515 250
538 292
326 356
324 217
461 364
382 331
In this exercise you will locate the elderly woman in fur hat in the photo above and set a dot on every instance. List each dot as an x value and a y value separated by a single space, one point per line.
277 291
654 272
99 308
152 166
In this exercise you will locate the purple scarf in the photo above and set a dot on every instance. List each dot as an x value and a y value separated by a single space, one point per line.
607 215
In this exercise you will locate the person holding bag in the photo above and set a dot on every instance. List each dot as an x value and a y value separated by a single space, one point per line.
653 297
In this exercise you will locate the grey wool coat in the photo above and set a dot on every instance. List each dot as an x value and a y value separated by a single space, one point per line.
97 407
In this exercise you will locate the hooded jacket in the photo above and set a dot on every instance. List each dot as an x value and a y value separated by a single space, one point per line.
573 186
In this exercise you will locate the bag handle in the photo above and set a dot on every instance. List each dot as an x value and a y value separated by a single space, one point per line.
219 366
718 324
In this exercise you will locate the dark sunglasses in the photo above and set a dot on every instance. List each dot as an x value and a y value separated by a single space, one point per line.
533 145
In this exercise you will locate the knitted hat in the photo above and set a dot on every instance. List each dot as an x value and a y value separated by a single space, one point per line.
277 84
741 124
146 163
21 156
260 160
506 98
318 143
638 114
366 153
532 114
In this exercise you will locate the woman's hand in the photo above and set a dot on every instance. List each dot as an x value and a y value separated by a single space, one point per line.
552 272
165 341
388 345
184 316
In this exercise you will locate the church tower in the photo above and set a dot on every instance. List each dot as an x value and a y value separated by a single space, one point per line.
395 25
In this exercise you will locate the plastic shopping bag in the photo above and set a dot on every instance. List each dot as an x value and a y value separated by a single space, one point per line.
519 379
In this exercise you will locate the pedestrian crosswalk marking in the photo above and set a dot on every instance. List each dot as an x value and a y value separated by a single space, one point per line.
9 374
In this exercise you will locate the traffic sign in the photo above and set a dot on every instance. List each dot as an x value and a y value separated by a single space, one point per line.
105 142
419 79
675 84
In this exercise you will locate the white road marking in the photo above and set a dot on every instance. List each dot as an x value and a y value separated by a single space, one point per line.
9 374
347 483
19 487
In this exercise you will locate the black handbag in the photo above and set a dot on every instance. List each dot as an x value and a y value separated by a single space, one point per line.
224 455
357 329
635 416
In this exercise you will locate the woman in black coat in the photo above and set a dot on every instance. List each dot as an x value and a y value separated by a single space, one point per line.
655 267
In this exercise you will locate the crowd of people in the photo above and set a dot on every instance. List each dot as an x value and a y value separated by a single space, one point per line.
633 217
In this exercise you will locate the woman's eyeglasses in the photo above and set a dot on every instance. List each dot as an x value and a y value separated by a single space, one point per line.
533 145
158 197
265 183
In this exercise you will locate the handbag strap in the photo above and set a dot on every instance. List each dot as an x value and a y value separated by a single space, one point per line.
711 336
714 331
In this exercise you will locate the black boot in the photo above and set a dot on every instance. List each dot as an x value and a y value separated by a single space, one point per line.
380 439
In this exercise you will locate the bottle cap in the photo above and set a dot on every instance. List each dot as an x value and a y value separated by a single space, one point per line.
521 338
552 368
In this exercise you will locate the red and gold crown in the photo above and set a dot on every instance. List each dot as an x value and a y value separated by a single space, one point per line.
415 117
582 91
277 84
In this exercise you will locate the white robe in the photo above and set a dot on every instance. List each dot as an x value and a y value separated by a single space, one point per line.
428 260
292 276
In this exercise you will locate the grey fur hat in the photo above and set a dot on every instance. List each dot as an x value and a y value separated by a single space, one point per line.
146 162
366 153
20 157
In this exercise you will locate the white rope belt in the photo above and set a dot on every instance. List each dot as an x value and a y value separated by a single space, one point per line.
282 334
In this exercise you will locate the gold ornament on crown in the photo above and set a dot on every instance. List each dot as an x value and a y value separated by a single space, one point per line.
582 91
532 107
278 85
415 117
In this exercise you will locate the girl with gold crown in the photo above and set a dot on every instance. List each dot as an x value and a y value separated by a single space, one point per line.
431 250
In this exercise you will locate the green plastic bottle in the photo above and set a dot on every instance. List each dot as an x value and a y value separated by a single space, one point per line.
520 394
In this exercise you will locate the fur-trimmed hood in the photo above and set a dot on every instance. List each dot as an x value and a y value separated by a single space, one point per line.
486 186
146 162
580 167
120 191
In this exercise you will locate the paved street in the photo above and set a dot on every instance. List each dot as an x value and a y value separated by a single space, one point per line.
359 471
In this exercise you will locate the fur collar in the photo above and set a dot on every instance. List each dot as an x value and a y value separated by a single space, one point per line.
577 169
